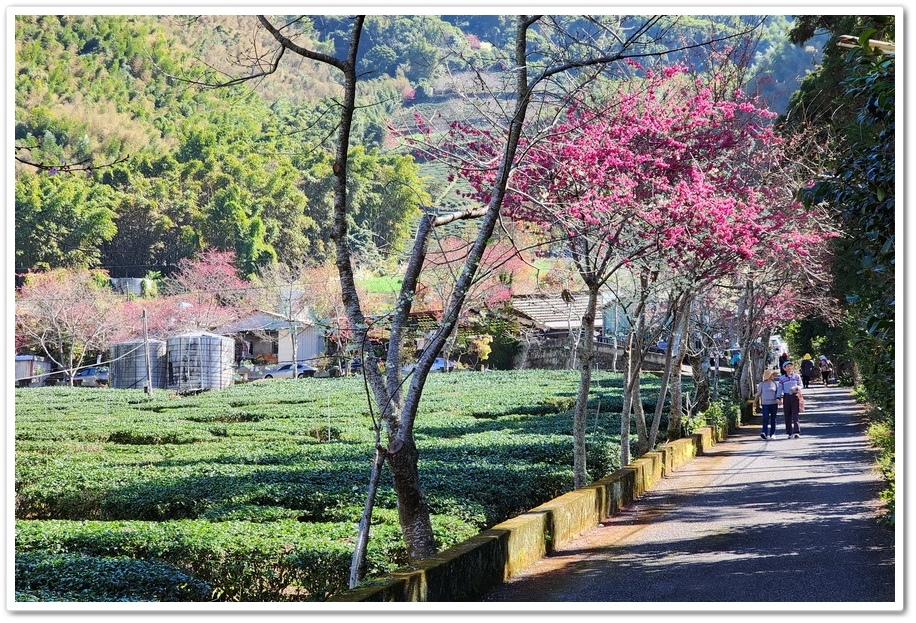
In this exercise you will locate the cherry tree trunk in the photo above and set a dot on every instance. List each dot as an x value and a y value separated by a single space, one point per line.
413 509
586 352
676 413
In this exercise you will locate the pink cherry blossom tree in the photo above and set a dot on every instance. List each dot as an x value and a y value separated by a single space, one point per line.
207 292
660 173
204 294
69 315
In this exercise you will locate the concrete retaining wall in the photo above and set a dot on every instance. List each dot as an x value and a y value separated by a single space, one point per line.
468 570
556 354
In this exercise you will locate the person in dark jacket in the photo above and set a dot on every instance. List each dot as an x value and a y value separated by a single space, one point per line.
783 358
807 370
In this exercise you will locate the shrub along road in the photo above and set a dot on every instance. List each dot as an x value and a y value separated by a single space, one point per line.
752 520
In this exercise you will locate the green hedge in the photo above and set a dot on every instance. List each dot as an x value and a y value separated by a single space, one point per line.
239 561
242 489
43 576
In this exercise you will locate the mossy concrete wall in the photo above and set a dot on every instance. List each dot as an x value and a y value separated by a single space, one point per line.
468 570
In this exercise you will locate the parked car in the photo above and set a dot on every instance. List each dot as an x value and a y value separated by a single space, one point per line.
93 376
439 365
285 371
356 365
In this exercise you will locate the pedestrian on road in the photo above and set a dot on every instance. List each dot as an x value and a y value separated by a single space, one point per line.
783 358
807 370
826 370
769 397
736 358
791 398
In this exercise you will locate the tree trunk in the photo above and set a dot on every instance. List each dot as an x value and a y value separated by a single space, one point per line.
586 361
625 418
662 392
358 563
676 413
413 509
699 365
632 389
639 413
632 403
676 409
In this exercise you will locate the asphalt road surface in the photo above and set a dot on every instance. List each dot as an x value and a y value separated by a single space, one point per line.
781 521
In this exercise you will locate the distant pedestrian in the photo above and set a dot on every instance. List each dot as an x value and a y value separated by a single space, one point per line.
791 385
826 370
783 358
807 370
769 397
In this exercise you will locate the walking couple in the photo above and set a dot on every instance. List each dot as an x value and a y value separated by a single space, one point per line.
785 390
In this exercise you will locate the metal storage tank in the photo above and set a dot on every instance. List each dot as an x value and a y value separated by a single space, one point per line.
199 361
128 364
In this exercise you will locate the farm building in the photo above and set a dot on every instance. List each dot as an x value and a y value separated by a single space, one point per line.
31 370
268 337
556 315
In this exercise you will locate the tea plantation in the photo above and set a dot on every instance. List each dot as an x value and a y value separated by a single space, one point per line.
253 493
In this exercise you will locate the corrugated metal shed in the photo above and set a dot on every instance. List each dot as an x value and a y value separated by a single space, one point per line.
556 312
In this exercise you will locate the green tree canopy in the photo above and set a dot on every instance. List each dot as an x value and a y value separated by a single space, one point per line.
61 221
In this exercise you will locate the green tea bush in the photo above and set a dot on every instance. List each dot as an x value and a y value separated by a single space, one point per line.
278 561
243 490
42 576
158 436
240 561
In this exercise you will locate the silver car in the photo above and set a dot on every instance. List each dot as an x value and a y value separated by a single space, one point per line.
93 376
286 371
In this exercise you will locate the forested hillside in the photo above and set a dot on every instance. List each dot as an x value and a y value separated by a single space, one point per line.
126 162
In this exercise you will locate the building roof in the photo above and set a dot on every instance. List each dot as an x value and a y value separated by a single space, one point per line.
557 311
260 321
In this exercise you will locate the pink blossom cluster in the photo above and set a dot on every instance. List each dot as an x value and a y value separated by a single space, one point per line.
662 167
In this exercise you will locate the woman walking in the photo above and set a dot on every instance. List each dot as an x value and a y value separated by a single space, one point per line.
807 370
826 370
769 397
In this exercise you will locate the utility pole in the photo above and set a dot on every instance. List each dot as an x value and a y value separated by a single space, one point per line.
149 367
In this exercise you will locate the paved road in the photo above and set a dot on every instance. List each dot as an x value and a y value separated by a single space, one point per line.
752 520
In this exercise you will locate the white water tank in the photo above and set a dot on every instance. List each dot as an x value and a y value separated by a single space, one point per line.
199 361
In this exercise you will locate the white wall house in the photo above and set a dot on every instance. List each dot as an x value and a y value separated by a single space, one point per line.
267 334
309 343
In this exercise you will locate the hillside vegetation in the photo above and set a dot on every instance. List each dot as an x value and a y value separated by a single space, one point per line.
164 168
